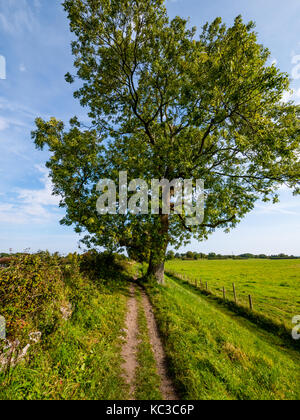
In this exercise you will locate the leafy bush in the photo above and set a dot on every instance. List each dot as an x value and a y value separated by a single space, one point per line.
101 266
29 290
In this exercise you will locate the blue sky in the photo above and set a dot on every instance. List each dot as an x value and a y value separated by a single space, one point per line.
35 43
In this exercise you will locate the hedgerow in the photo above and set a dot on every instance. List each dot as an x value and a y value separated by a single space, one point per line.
76 305
30 292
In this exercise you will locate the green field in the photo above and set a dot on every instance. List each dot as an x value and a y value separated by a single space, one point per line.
273 284
215 354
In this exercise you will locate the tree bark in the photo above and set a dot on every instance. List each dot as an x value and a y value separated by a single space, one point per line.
156 266
156 269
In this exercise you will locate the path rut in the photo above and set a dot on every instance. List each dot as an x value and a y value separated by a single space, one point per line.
129 350
167 388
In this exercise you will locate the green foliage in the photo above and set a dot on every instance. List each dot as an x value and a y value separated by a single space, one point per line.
28 291
216 355
164 104
4 254
213 256
170 255
101 265
139 254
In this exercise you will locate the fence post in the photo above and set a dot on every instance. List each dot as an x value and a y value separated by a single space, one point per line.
234 293
250 303
206 286
224 293
196 283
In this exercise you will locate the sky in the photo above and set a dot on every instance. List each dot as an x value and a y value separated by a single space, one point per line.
35 55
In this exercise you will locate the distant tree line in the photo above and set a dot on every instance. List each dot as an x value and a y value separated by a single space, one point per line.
4 255
190 255
15 254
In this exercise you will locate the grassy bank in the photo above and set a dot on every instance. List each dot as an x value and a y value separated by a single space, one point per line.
214 355
79 357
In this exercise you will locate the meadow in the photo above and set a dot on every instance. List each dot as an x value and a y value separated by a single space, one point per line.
215 355
274 285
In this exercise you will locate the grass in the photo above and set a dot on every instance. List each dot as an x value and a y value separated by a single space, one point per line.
273 284
258 319
213 352
147 379
215 355
81 358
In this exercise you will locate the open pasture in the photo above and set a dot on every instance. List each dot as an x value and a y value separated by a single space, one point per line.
274 285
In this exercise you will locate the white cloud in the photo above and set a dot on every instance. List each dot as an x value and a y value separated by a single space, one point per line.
291 208
3 124
291 96
20 109
37 4
2 67
296 68
17 16
32 206
41 197
287 96
22 68
297 93
7 122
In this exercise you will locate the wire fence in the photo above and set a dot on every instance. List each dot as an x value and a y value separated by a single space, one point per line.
219 291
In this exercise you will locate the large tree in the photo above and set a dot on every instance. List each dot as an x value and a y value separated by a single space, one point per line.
166 104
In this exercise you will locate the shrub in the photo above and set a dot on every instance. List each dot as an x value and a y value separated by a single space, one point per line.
29 290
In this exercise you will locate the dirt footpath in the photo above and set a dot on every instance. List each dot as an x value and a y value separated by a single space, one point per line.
129 350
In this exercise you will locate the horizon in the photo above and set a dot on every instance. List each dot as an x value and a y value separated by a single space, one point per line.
182 254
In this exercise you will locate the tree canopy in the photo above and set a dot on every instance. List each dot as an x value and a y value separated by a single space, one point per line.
167 103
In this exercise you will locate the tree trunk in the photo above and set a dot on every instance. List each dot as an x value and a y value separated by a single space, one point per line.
158 252
156 269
